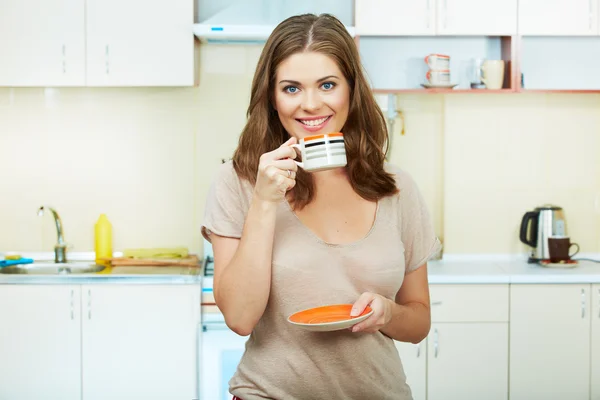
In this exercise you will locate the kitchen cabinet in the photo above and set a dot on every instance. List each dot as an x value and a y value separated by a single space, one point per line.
97 43
414 362
435 17
140 43
477 17
558 17
394 17
595 343
468 361
99 341
42 43
40 342
550 341
467 355
141 339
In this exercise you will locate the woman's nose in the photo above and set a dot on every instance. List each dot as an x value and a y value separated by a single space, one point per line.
311 101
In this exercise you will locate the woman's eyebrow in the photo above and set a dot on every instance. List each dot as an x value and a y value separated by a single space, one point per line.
318 80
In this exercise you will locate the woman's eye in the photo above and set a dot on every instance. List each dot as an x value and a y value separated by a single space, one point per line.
328 85
290 89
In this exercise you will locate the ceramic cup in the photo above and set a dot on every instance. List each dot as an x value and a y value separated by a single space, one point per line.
438 61
559 247
493 73
441 77
321 152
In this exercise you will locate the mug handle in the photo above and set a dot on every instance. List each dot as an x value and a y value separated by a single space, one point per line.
299 163
576 251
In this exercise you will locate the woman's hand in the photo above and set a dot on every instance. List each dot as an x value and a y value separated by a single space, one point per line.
382 312
276 173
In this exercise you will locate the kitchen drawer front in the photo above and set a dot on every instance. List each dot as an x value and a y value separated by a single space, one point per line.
469 303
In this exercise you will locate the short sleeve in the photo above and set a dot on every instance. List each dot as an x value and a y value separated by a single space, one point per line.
417 232
225 210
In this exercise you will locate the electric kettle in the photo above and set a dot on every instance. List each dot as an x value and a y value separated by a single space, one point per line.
540 224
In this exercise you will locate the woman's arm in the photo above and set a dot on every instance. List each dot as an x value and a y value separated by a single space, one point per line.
242 277
408 318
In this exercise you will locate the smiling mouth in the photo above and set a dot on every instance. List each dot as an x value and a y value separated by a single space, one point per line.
314 122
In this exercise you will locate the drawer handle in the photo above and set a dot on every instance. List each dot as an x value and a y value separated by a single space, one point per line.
436 303
435 343
582 303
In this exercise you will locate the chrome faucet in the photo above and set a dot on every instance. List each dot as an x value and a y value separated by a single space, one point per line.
60 249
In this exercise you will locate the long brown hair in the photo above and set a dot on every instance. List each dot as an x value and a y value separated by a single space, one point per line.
365 131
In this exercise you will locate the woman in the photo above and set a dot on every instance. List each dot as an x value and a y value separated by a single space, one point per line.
285 240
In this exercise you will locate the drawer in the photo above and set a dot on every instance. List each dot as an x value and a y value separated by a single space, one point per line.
469 303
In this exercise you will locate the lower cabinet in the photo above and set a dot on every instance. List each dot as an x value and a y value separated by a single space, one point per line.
414 361
550 348
468 361
465 355
100 341
595 343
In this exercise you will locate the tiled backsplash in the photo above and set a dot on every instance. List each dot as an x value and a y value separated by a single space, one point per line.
146 157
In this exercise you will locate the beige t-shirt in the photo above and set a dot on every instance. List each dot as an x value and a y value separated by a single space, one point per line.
282 361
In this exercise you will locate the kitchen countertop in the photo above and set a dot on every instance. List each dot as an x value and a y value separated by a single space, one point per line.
459 269
501 269
114 275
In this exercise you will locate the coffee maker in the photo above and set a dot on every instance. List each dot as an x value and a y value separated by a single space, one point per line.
537 226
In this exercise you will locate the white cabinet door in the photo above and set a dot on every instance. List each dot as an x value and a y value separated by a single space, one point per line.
468 361
394 17
477 17
550 342
558 17
42 43
40 342
595 316
140 342
414 361
140 43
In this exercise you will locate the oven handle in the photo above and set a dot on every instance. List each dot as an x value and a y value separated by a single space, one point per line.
215 326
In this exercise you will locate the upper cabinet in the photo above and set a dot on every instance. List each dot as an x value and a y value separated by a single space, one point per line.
42 43
97 43
395 17
477 17
558 17
436 17
139 43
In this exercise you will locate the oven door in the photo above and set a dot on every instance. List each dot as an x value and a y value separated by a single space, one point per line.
221 352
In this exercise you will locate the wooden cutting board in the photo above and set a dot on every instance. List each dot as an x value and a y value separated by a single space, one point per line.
190 261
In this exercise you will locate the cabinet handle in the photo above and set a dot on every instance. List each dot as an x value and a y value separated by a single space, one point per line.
72 303
107 59
419 350
436 303
582 303
435 343
89 304
64 59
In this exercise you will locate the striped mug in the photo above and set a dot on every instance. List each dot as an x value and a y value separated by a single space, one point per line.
322 152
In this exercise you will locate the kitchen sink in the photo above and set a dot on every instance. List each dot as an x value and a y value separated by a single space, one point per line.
52 268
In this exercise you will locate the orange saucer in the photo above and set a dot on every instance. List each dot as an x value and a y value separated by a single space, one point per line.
328 318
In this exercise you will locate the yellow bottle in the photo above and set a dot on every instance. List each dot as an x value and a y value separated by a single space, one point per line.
103 237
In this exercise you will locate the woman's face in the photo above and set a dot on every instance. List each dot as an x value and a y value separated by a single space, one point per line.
311 95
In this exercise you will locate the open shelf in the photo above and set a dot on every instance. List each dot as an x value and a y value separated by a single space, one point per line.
397 65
